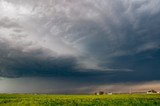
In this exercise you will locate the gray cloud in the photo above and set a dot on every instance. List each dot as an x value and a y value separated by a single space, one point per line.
8 23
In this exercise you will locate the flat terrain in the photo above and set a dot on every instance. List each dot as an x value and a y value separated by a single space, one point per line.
79 100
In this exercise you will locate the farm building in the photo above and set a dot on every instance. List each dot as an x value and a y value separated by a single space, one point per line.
109 93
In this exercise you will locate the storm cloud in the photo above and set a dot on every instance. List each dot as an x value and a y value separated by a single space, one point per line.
81 41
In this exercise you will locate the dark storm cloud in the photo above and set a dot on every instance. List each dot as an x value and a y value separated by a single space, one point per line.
94 41
16 63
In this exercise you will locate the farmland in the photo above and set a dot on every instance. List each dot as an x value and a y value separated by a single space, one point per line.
79 100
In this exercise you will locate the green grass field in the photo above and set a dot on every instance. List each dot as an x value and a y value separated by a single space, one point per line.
79 100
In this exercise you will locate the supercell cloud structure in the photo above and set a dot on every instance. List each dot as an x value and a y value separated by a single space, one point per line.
87 40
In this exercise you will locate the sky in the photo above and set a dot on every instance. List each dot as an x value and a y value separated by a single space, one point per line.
70 46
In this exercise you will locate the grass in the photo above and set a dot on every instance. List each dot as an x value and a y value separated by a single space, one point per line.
79 100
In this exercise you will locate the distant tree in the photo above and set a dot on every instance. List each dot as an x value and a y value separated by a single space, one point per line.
151 91
96 93
101 92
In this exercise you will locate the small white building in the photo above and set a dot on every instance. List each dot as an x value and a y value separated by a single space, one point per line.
109 93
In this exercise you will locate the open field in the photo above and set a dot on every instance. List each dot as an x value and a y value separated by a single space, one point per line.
80 100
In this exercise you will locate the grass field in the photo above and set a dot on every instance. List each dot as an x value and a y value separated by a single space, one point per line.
79 100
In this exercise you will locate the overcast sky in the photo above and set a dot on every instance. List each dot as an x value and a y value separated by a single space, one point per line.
78 44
